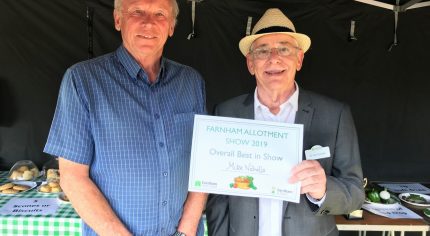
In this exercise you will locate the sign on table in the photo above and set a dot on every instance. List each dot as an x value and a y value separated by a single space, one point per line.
393 211
406 187
30 206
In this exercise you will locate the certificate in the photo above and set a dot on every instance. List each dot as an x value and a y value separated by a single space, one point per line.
245 157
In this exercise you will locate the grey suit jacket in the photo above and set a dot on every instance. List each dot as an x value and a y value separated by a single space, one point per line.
326 123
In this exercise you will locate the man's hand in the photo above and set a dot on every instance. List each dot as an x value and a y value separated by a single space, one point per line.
312 176
193 210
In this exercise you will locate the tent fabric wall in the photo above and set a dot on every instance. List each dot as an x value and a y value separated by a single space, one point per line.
387 91
38 40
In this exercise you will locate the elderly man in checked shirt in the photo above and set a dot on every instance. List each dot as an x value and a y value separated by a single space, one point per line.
123 128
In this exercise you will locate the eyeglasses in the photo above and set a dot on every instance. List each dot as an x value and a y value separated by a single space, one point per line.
265 52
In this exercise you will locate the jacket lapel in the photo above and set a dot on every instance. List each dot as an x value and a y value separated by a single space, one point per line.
304 116
247 110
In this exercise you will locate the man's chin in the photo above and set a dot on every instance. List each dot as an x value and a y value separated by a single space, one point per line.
145 48
273 84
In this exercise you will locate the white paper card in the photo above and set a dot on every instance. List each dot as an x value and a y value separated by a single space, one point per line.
317 152
30 206
393 211
245 157
406 187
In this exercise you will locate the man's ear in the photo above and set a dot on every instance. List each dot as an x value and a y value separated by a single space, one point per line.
172 29
250 64
117 19
300 57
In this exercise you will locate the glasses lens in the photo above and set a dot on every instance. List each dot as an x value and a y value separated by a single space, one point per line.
264 53
284 51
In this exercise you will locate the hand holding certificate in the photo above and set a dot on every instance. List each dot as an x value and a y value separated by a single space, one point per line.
245 157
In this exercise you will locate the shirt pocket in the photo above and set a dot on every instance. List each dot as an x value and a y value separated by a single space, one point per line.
184 117
183 131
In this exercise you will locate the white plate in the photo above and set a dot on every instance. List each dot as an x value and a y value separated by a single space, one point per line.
43 183
426 197
61 198
375 203
26 183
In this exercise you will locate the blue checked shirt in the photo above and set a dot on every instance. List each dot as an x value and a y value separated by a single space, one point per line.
134 135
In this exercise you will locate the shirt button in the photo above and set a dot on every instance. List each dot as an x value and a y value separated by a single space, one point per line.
164 203
161 144
164 174
157 116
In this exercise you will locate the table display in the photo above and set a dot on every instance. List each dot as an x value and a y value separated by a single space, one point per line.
373 222
65 221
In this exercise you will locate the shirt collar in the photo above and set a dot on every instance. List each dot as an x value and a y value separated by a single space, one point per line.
132 66
293 100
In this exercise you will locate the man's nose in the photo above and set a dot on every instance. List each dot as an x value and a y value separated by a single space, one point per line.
274 54
147 19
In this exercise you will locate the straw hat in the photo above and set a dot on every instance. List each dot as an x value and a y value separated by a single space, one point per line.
273 22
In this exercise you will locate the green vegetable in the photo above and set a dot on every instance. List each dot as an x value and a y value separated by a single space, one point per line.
414 198
373 196
251 185
427 212
390 201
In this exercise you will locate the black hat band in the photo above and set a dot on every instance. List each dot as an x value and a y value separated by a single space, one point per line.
274 29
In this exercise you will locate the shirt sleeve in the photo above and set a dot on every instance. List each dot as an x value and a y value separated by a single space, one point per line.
315 201
70 134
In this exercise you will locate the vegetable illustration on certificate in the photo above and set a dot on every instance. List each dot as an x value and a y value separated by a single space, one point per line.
245 157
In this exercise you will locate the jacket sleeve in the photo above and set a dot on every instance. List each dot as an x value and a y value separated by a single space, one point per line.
217 215
345 192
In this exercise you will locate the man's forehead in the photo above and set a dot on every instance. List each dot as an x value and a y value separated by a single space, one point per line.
274 39
159 3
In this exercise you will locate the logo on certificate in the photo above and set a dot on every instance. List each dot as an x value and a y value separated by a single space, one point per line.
243 182
203 184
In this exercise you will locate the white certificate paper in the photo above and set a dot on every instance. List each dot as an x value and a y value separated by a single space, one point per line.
245 157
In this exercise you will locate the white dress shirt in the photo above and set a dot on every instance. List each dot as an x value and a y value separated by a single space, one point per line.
270 210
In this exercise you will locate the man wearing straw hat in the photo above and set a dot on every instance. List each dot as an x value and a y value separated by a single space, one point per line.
329 186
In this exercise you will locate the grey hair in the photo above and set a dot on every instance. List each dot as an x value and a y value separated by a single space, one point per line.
173 3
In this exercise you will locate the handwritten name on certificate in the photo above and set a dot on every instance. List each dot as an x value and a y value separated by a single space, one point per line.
245 157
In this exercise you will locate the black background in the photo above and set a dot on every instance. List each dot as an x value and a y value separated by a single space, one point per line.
388 91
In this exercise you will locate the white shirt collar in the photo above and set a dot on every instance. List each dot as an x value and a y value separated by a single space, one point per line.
293 101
